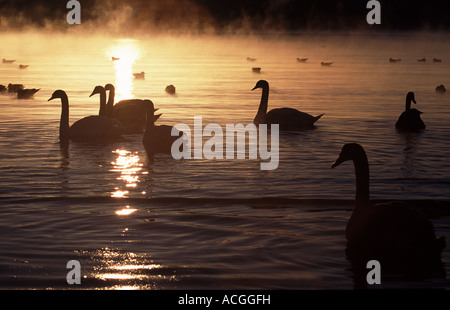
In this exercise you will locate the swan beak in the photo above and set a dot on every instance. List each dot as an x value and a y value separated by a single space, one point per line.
51 98
338 161
254 88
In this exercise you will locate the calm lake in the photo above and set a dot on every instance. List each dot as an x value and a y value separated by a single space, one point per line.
139 223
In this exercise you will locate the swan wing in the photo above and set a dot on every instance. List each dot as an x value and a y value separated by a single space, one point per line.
291 119
95 127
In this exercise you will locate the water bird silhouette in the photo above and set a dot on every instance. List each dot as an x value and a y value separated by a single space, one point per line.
399 236
3 88
410 119
327 63
440 89
170 89
7 61
23 66
131 113
88 129
26 93
256 69
437 60
157 139
139 76
302 59
395 60
14 88
288 119
114 58
251 59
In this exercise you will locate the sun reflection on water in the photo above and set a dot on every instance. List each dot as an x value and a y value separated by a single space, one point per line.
128 165
123 55
126 270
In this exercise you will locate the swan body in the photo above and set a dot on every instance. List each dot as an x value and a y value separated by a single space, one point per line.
410 119
131 113
327 63
7 61
288 119
422 60
157 139
437 60
120 111
395 60
23 66
251 59
393 233
302 59
90 128
3 88
26 93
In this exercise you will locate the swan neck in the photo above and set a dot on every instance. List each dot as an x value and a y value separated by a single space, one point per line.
362 181
64 121
262 110
102 111
408 104
110 103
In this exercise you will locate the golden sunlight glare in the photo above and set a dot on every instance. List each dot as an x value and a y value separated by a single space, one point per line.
124 55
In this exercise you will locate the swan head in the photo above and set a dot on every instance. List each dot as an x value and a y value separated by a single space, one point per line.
97 90
58 94
348 152
410 97
109 87
261 84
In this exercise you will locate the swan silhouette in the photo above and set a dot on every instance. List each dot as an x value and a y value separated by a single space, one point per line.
3 88
410 119
288 119
401 238
302 59
131 113
157 139
90 128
